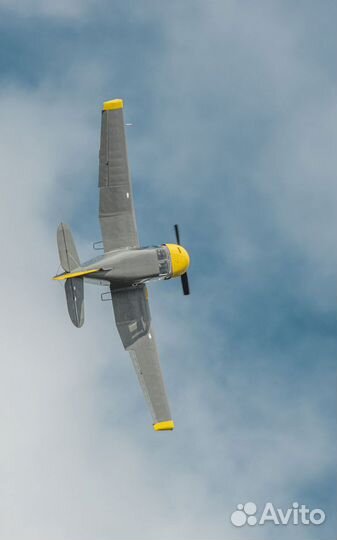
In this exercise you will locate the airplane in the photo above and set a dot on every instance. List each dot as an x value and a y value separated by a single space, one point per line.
125 267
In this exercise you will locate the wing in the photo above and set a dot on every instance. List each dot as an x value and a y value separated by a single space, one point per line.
133 319
116 211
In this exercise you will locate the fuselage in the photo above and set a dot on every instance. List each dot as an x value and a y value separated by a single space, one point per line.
131 266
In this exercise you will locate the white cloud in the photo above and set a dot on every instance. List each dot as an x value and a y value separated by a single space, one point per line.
78 456
233 71
62 9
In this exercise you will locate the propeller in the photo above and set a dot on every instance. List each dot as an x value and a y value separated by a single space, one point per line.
184 278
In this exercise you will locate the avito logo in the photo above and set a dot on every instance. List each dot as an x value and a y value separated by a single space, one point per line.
295 515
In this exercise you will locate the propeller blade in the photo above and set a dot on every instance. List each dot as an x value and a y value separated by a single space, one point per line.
184 282
184 278
176 228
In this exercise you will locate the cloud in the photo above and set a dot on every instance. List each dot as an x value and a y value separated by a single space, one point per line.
245 360
74 9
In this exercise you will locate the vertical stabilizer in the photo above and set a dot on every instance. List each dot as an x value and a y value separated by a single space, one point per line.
69 258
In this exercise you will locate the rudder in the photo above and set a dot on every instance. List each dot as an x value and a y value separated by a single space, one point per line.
69 258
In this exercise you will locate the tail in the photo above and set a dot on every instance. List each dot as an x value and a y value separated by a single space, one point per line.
69 258
74 288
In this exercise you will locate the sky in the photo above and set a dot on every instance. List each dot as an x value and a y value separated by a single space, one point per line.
233 136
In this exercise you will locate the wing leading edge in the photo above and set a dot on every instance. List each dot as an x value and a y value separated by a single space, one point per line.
116 210
133 319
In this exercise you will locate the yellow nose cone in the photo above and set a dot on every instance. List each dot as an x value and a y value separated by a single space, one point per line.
180 259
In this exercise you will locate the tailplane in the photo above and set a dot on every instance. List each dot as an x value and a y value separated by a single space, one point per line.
75 300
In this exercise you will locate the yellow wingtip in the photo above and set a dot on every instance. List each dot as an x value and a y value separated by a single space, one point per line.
113 104
168 425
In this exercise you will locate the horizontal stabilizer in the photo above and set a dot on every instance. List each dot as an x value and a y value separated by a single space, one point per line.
69 258
69 275
75 300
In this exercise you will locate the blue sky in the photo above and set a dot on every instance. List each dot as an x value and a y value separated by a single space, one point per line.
233 109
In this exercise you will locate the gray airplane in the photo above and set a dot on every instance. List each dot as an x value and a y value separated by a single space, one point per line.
125 267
